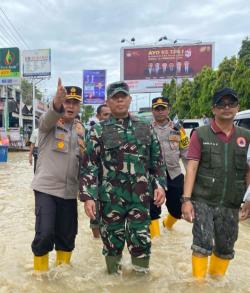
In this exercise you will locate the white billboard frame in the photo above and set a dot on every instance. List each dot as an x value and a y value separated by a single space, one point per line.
36 63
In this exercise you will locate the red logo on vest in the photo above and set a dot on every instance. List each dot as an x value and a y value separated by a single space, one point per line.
241 141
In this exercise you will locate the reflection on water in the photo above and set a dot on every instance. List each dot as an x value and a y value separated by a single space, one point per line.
170 262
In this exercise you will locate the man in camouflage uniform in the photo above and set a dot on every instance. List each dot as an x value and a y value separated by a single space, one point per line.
102 113
124 153
216 174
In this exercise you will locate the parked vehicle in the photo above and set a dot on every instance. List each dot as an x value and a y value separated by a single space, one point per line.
242 119
190 124
145 113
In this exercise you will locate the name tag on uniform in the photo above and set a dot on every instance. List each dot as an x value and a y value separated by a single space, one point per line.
174 137
61 136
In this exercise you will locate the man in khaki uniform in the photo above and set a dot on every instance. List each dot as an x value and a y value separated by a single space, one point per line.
174 145
55 182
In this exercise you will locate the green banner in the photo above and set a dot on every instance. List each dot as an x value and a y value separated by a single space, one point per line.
9 66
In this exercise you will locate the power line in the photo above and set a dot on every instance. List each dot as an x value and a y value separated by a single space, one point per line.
4 38
4 41
14 28
11 38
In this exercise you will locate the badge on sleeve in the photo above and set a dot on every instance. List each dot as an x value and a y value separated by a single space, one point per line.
241 141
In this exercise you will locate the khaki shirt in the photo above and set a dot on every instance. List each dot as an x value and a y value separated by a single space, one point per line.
34 137
170 147
57 168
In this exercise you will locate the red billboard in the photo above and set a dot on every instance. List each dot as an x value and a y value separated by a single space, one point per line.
146 69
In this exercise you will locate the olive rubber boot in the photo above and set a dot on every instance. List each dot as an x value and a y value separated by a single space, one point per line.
113 264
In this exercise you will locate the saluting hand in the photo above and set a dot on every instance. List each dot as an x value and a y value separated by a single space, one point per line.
60 97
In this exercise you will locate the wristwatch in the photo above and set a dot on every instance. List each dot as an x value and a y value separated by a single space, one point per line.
185 199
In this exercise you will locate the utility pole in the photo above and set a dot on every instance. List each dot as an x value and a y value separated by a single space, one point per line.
34 104
20 112
6 109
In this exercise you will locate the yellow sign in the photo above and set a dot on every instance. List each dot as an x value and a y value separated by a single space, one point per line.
5 72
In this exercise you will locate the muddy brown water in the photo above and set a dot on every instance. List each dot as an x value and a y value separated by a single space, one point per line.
170 261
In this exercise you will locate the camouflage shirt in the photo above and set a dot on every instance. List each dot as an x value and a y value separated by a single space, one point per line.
126 158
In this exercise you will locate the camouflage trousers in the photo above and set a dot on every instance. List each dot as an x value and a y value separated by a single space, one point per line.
122 222
215 229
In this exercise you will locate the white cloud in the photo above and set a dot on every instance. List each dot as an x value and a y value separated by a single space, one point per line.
87 34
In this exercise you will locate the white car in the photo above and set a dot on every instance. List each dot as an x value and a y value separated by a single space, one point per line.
190 124
243 119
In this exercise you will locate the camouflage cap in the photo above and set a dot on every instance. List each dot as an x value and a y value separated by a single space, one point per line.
116 87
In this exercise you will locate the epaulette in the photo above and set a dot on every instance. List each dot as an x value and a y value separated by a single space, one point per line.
242 130
107 122
135 118
61 128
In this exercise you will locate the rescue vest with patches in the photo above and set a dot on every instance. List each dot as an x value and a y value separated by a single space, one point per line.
220 178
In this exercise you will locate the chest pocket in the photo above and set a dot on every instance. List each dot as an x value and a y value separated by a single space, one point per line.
240 159
174 140
216 159
110 137
142 133
61 140
111 146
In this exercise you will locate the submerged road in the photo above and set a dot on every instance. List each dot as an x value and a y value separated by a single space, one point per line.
170 262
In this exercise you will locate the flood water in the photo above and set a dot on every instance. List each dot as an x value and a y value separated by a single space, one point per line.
170 262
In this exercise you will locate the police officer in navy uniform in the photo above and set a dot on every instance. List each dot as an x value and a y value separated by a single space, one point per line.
55 182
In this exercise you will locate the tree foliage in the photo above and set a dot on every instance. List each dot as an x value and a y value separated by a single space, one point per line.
244 52
192 99
87 111
27 92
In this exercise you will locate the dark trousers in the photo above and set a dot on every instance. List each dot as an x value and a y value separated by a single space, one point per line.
56 224
174 194
35 155
215 229
173 203
155 212
35 161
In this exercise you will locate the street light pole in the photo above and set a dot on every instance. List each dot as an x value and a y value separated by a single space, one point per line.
34 105
6 109
131 42
34 102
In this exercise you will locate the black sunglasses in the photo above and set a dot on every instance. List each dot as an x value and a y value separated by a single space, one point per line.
222 105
